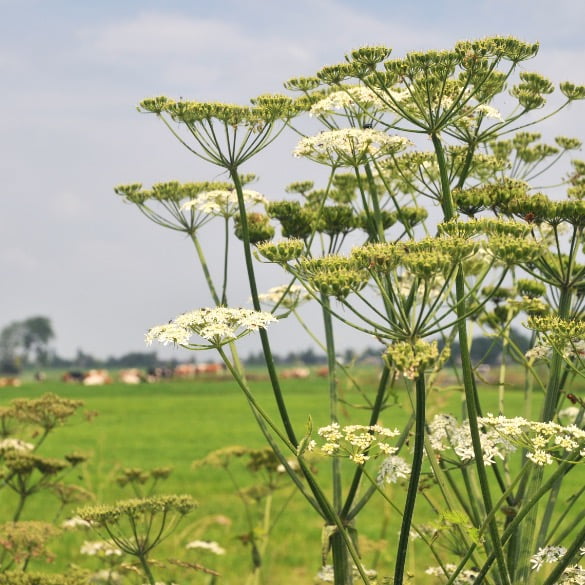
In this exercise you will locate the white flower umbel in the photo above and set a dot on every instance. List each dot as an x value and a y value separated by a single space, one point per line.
545 442
99 548
358 442
488 112
392 469
12 444
548 554
349 146
573 575
208 545
75 522
218 325
223 203
446 433
284 295
352 98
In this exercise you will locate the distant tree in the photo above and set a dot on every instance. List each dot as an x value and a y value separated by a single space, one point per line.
25 342
133 360
85 360
37 335
488 350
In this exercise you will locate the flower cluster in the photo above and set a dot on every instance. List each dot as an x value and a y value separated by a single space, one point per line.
545 555
411 359
572 575
466 577
281 252
357 97
222 202
544 441
15 445
349 146
446 434
218 325
100 548
287 296
357 441
392 469
211 546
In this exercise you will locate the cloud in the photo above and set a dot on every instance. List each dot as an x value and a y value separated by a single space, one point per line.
221 59
68 206
14 260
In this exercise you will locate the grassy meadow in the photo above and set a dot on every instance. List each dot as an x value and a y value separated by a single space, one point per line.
174 423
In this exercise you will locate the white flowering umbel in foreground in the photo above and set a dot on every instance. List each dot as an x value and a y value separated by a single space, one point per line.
218 325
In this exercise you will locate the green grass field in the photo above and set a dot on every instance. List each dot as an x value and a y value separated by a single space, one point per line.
175 423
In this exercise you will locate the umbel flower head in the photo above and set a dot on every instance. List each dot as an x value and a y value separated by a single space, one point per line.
287 296
137 525
411 359
223 202
218 325
349 98
349 146
357 442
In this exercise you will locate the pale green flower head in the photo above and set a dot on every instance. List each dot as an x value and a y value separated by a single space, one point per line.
369 55
138 525
428 264
217 325
411 359
566 336
282 252
512 250
333 275
378 257
304 84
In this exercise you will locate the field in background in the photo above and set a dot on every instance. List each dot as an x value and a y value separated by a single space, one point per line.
173 423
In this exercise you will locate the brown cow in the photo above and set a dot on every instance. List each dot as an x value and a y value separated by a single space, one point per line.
296 373
10 382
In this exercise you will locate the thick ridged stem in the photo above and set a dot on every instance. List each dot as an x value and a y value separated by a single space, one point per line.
471 398
417 457
270 366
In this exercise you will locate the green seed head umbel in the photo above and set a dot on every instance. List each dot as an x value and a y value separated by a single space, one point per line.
282 252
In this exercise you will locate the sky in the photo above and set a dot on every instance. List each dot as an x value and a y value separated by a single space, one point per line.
72 74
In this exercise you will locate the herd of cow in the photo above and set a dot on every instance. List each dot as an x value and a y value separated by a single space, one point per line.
137 376
97 377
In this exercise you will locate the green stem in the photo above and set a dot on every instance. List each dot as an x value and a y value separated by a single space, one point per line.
530 540
417 457
513 526
333 398
471 397
276 389
205 269
375 203
146 569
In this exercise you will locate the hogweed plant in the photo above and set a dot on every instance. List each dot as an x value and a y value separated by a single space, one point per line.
25 474
430 225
